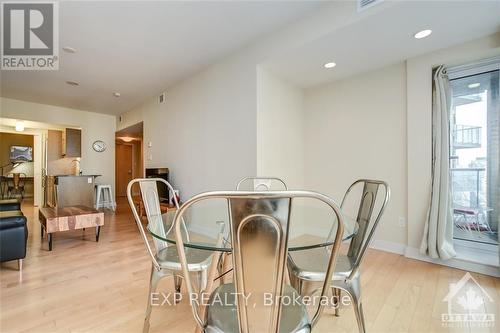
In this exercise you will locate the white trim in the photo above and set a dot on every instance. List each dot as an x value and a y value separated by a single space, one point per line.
477 255
463 264
388 246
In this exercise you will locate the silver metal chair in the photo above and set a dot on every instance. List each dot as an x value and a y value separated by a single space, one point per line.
259 225
261 184
164 258
304 271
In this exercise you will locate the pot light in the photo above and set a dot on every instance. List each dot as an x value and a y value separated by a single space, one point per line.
73 83
474 85
69 49
423 34
126 139
116 94
19 126
330 65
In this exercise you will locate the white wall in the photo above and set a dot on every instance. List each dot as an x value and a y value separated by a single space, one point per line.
280 130
419 108
355 128
95 126
205 132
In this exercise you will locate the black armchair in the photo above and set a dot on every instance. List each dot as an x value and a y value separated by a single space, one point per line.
13 231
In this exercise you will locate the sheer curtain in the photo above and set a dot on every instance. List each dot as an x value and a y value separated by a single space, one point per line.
437 240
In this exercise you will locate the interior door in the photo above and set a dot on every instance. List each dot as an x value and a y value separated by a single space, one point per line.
123 165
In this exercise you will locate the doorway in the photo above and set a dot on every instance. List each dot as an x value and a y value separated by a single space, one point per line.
129 162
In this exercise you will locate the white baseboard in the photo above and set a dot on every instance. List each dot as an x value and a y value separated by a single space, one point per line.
465 265
388 246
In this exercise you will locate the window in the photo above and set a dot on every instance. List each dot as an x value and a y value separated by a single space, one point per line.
474 152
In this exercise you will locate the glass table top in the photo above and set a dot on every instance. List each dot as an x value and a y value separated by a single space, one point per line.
205 234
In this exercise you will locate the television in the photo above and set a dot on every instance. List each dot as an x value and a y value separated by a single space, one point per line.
21 154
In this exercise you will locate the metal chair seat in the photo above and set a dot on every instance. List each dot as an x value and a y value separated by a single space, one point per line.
198 260
301 265
224 317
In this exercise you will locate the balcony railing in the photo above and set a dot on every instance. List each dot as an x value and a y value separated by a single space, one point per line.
467 136
469 186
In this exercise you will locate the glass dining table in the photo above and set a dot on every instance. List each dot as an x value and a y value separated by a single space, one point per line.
203 235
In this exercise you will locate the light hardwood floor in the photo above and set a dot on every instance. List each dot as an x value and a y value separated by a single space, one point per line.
84 286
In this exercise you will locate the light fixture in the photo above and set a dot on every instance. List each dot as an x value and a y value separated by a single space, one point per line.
330 65
116 94
474 85
19 126
69 49
126 139
423 34
73 83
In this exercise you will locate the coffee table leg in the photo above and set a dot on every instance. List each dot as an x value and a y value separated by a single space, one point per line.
50 241
97 231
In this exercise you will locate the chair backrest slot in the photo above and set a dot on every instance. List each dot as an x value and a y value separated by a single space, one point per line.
261 184
259 230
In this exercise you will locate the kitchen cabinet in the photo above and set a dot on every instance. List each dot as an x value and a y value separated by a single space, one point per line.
72 142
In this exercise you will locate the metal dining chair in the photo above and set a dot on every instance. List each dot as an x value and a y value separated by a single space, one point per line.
261 184
259 226
303 270
164 258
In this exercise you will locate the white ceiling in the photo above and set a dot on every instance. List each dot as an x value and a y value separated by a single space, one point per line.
140 48
386 37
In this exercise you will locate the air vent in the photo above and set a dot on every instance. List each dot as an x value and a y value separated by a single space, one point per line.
364 4
161 98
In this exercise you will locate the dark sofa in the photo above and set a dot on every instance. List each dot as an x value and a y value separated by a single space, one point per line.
13 231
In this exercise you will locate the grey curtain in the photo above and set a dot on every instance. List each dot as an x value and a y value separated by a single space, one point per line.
437 240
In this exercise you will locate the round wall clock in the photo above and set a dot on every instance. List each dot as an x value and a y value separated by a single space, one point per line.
99 146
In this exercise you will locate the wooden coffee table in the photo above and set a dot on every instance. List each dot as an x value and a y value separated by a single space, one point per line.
69 218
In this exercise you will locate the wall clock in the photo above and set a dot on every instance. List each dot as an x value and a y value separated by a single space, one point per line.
99 146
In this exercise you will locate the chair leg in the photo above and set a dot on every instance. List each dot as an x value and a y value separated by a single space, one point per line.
20 264
153 283
202 277
358 310
354 291
337 294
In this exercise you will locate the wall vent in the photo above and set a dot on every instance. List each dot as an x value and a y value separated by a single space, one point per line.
365 4
161 98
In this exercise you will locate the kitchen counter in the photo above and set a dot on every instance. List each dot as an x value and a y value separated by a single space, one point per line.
70 190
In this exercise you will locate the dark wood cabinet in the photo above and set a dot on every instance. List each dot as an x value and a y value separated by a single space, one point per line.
72 142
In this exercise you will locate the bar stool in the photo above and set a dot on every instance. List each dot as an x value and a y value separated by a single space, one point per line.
104 198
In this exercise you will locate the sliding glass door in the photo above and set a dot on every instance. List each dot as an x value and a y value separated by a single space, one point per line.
474 154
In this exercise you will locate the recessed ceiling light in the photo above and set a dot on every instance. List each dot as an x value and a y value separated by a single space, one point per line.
116 94
330 65
423 34
474 85
69 49
19 126
73 83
